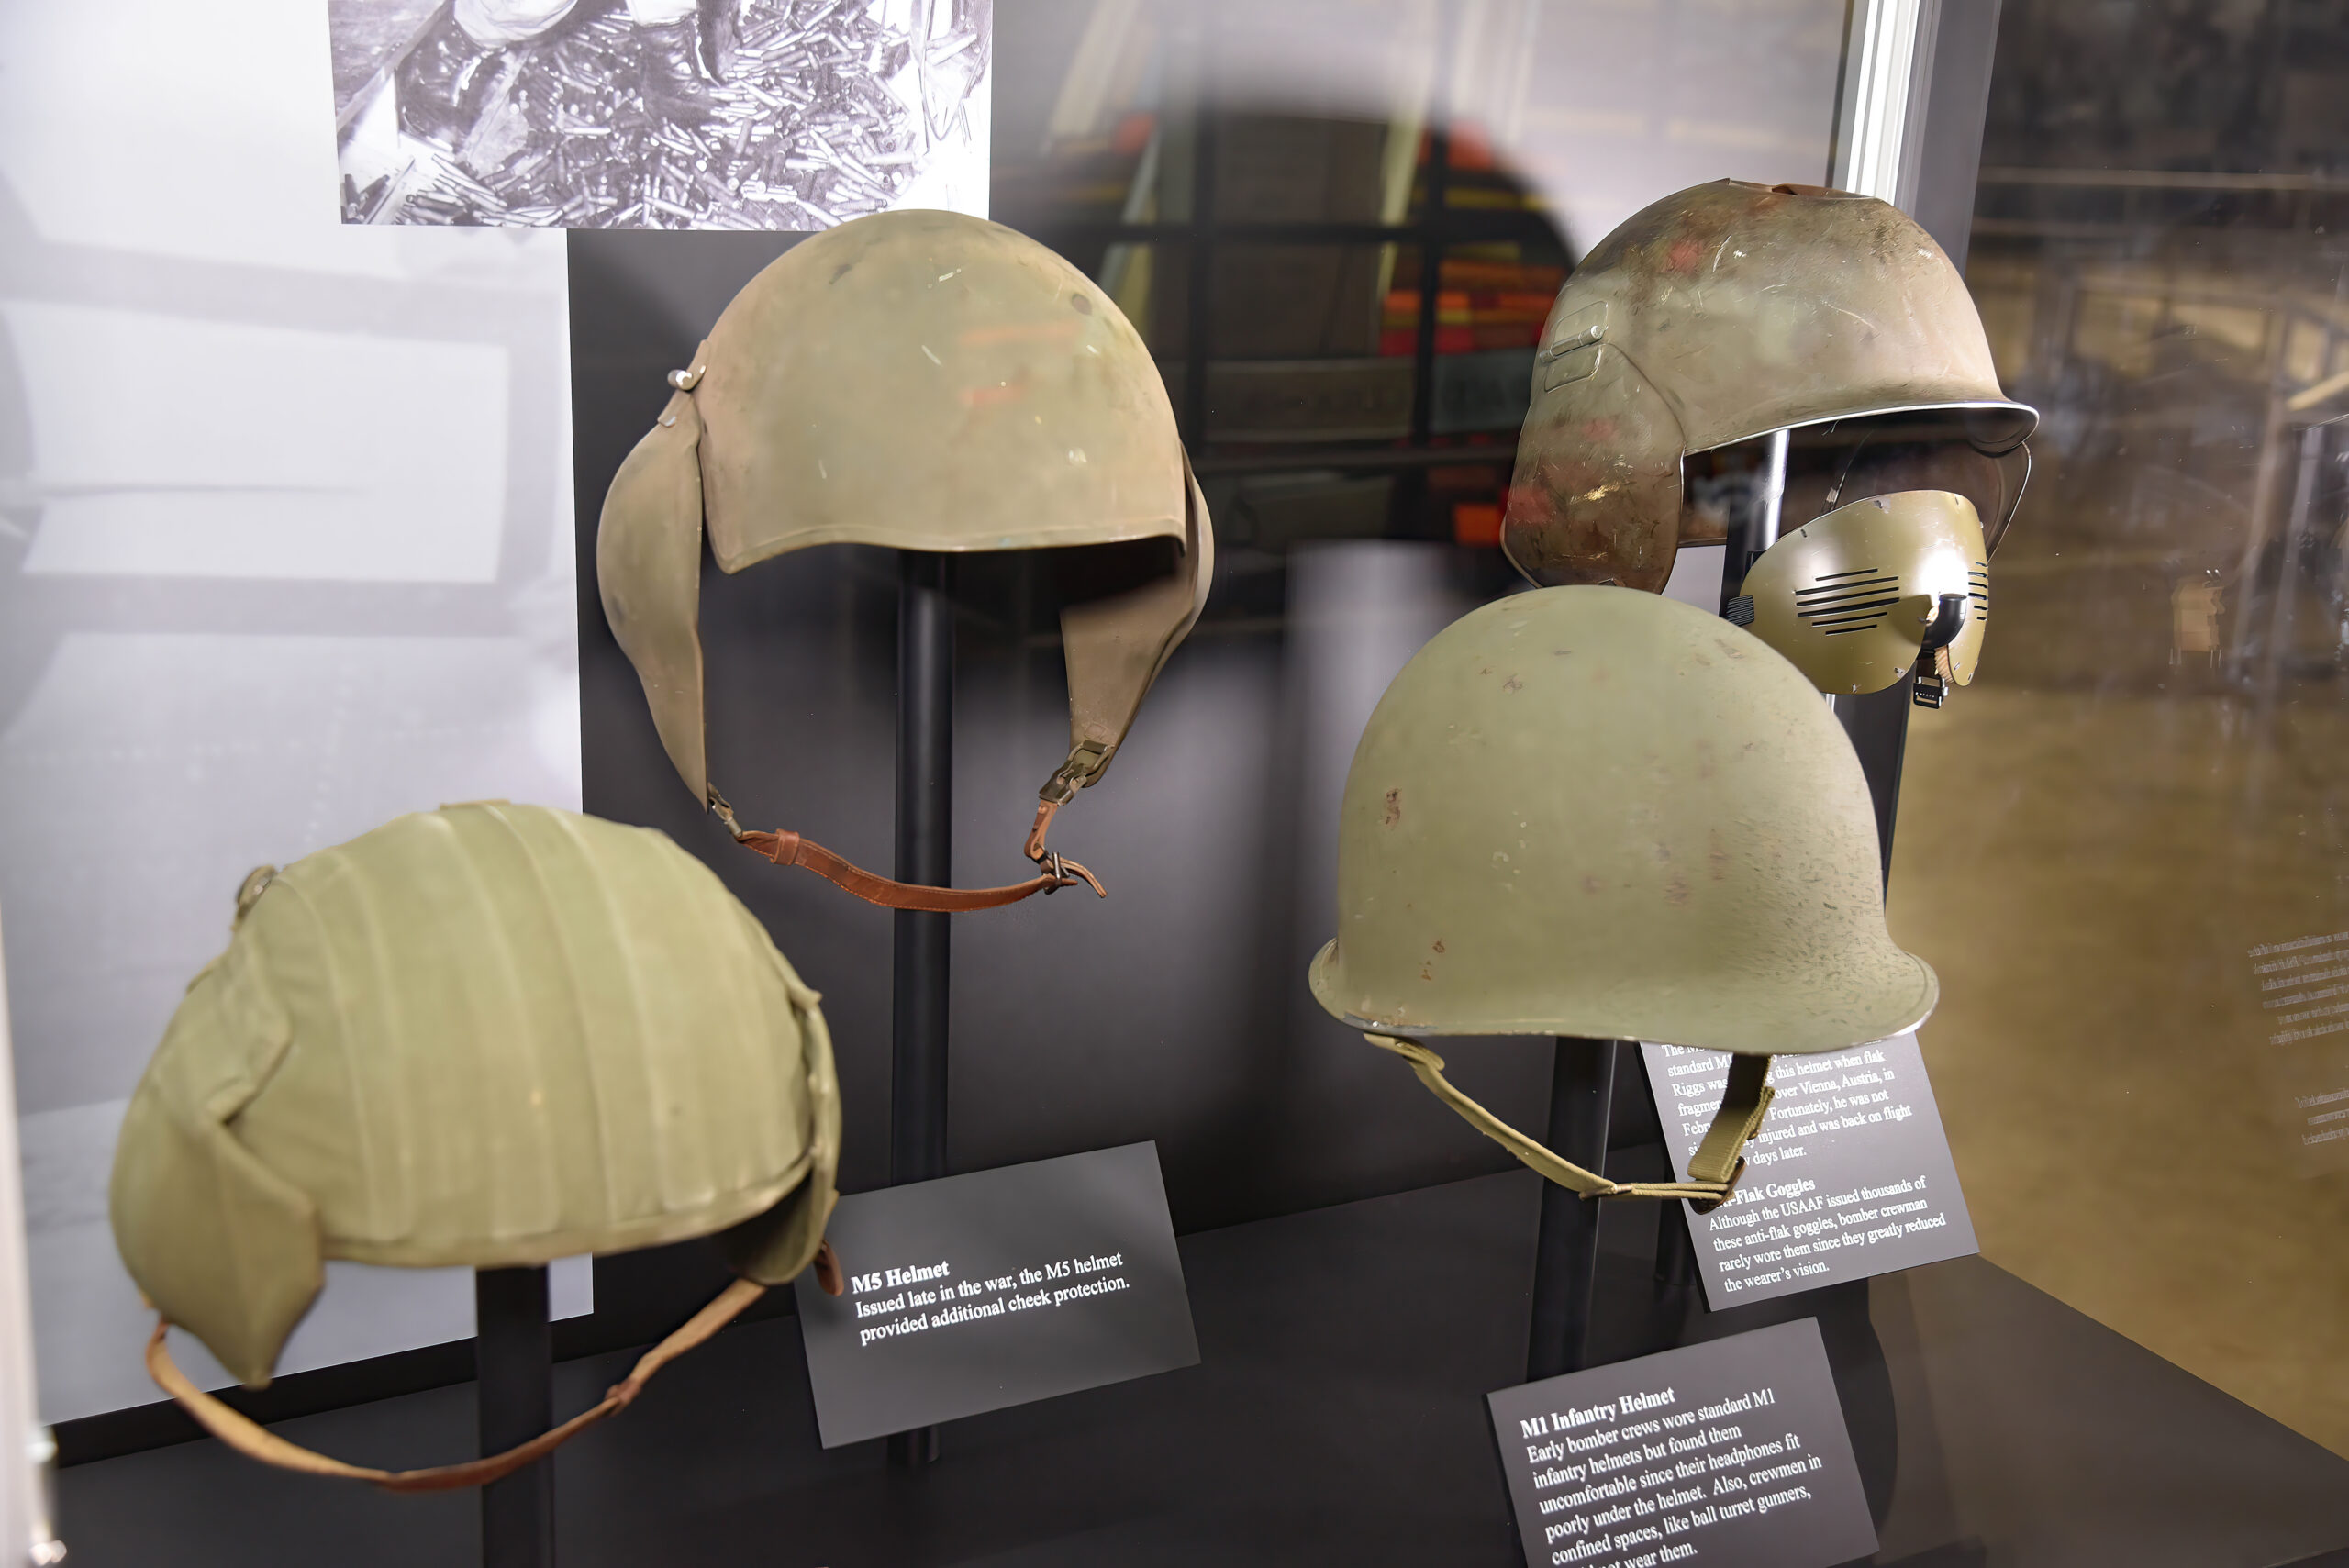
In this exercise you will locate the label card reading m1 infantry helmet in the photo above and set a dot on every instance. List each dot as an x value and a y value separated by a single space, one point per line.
1731 1453
1850 1176
973 1293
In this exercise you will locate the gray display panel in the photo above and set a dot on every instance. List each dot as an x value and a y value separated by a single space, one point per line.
973 1293
1728 1453
1850 1176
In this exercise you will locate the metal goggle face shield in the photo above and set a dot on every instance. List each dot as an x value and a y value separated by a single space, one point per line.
1858 597
1877 559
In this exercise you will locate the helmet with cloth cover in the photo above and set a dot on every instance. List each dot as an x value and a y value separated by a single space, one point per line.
1596 813
1731 311
922 381
490 1035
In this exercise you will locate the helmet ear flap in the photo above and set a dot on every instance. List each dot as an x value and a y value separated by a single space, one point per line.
1115 646
218 1242
773 1247
648 569
1596 498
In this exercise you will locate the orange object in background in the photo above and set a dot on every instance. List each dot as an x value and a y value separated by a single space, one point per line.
1133 134
1472 273
1476 522
1471 147
1466 320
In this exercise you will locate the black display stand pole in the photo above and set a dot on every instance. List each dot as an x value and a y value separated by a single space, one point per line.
1565 1258
514 1360
925 855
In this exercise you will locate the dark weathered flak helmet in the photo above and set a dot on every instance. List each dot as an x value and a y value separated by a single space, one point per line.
489 1034
1728 312
1607 814
921 381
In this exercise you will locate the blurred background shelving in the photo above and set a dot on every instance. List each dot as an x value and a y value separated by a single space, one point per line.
1279 264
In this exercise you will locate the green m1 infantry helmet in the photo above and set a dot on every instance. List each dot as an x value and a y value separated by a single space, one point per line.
1729 312
1603 814
489 1034
921 381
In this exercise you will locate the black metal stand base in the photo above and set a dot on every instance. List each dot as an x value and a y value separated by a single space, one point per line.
514 1359
1565 1258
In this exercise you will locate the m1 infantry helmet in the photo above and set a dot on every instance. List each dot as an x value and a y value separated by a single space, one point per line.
922 381
1596 813
490 1036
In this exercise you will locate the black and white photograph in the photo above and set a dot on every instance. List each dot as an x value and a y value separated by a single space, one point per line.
791 114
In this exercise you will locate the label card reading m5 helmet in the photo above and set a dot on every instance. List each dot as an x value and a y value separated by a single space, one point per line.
1850 1176
1731 1452
973 1293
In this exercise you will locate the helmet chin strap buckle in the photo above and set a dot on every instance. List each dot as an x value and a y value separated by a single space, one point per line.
1067 873
1934 679
724 813
1084 764
1062 870
1085 761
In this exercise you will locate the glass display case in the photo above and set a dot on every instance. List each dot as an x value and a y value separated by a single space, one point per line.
1912 1073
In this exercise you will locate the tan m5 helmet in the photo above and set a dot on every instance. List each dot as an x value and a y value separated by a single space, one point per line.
923 381
1596 813
489 1034
1728 312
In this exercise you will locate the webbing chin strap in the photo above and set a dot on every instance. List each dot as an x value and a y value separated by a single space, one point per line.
1713 1169
254 1441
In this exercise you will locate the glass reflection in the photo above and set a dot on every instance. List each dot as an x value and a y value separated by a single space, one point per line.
2125 849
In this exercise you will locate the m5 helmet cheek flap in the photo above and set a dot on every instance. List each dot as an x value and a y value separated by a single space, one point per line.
648 572
1117 645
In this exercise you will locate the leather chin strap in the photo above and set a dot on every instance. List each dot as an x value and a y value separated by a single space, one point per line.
1713 1169
1114 650
648 572
789 849
254 1441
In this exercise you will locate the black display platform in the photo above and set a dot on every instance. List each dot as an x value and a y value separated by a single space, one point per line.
1337 1418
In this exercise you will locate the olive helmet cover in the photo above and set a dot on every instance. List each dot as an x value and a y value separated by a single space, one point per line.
1597 813
1718 314
921 381
488 1035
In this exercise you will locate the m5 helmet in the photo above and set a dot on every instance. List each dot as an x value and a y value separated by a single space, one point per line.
921 381
490 1036
1596 813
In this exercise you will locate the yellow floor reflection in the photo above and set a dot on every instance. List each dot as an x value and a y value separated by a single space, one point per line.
2087 871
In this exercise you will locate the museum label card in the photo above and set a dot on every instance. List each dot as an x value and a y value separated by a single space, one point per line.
973 1293
1727 1455
1850 1176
